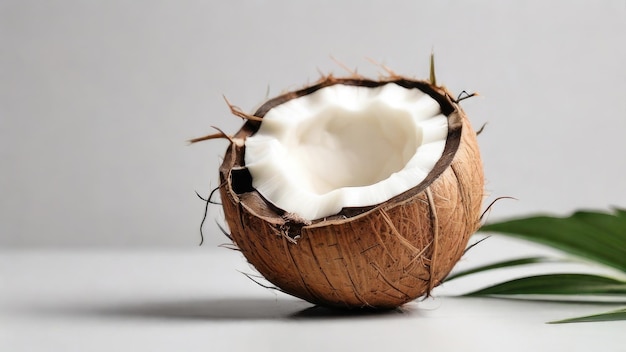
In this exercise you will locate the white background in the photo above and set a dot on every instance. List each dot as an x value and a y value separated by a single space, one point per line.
190 300
97 100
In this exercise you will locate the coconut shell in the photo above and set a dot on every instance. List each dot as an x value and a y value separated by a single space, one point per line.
380 256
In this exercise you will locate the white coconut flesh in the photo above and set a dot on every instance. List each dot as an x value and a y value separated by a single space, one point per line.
345 146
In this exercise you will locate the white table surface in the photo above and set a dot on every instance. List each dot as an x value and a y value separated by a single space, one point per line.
197 300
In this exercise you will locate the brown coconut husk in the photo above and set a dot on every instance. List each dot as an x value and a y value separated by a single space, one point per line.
380 256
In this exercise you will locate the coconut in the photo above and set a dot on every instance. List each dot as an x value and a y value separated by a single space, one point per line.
348 231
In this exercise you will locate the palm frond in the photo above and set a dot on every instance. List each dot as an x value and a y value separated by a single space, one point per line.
598 238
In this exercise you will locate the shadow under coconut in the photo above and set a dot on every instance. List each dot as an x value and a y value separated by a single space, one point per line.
210 310
319 312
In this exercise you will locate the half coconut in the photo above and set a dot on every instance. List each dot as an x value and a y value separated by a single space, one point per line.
354 192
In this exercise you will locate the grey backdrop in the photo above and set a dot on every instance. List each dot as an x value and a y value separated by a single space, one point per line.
97 99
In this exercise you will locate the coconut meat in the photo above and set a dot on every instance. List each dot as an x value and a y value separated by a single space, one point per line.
345 146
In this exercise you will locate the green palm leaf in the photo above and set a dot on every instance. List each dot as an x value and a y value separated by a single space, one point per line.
598 237
619 314
595 237
557 284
